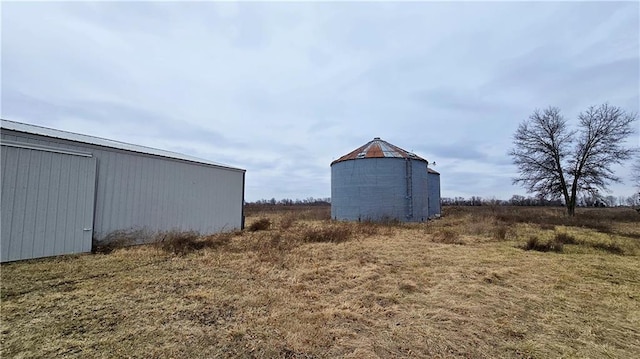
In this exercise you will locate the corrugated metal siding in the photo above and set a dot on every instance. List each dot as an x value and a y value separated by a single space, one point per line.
420 192
47 202
375 188
434 194
143 192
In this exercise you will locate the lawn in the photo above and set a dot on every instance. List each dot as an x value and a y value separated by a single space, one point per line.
301 286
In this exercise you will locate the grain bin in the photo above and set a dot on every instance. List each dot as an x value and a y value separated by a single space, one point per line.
433 184
379 181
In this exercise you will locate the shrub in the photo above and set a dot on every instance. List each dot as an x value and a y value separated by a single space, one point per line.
500 232
599 219
547 226
287 221
218 239
609 247
260 225
598 224
180 242
118 239
565 238
534 243
334 234
368 228
108 246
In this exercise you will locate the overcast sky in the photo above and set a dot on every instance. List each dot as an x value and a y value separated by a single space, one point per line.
282 89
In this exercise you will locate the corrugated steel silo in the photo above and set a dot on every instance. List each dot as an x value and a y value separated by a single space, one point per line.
433 178
379 181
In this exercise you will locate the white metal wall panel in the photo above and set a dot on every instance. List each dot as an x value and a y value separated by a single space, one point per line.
47 203
148 194
155 195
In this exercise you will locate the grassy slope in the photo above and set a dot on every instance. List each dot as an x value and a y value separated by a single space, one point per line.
457 287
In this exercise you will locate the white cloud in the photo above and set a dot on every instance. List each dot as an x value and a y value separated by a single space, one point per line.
282 89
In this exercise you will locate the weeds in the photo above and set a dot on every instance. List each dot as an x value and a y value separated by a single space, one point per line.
287 221
300 212
260 225
547 226
500 232
559 239
547 218
565 238
331 233
368 228
108 246
315 214
273 249
278 293
535 244
182 243
119 239
610 247
447 236
219 239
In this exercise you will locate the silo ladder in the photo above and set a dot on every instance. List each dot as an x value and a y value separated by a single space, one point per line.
409 173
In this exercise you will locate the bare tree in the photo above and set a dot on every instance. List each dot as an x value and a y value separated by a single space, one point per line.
611 201
635 172
557 162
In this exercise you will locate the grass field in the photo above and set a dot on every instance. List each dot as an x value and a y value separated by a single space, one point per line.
478 283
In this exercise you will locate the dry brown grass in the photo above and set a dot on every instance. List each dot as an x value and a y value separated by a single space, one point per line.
357 290
260 225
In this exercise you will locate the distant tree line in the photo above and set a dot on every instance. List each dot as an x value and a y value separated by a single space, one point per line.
309 201
515 200
590 200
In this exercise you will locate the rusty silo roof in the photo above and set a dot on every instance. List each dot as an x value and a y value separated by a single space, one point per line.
378 148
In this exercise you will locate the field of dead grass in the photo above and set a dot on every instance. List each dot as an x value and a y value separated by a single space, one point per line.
300 286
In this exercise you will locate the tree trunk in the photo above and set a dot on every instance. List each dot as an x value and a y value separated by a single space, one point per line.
571 203
571 209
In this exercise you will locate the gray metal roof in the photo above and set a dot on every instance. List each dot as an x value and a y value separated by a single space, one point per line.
65 135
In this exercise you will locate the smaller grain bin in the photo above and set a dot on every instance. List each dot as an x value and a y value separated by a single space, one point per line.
379 181
433 186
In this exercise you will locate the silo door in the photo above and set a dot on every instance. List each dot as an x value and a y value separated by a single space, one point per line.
47 201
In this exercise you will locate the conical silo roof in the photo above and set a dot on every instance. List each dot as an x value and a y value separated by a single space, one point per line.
378 148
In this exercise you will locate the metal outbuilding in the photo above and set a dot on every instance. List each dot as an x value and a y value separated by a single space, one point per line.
63 191
379 181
